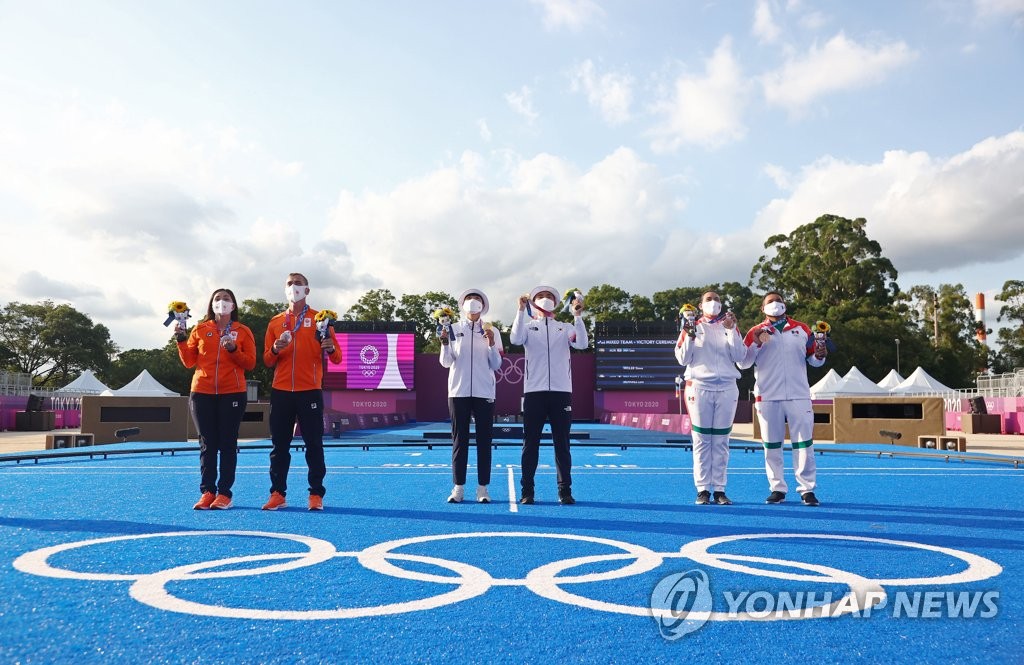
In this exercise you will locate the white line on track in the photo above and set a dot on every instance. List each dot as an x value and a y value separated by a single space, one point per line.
513 507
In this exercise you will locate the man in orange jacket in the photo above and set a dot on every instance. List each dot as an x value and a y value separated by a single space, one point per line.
292 349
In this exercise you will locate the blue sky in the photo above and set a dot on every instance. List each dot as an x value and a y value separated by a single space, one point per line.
154 151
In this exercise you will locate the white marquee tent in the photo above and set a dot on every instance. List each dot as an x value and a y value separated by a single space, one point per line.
85 384
826 385
891 380
921 383
144 385
854 383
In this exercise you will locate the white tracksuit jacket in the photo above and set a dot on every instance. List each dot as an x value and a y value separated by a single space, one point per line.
547 343
781 372
471 361
711 355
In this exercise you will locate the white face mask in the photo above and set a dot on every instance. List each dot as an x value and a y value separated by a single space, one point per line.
546 304
295 293
711 307
472 306
776 308
221 307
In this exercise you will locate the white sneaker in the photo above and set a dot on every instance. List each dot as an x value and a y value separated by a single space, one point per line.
458 493
481 494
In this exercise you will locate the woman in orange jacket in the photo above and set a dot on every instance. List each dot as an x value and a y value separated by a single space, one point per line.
222 350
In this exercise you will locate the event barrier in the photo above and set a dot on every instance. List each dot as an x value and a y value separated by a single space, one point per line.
158 418
824 425
861 419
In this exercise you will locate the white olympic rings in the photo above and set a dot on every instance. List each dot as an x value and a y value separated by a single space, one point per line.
511 371
472 581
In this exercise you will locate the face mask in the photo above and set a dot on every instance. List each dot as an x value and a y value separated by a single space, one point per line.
295 292
223 307
472 306
775 308
711 308
546 304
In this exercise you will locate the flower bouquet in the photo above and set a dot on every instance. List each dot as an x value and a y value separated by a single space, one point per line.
444 317
823 336
688 319
178 311
325 318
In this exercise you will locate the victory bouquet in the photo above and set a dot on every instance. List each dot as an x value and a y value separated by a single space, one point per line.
572 296
324 319
688 320
177 311
444 317
823 336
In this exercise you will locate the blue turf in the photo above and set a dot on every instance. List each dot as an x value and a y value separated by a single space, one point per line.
637 496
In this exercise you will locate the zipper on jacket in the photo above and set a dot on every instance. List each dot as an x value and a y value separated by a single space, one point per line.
547 334
472 351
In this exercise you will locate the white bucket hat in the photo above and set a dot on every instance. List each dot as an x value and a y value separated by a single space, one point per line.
478 292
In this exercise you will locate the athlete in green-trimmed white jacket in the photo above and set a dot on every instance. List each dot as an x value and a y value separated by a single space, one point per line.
710 357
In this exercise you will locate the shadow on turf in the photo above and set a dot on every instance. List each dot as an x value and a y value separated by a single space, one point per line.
90 526
689 529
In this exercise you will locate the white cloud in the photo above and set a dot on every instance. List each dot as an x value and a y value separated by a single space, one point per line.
928 213
842 64
780 176
530 220
573 15
765 28
995 9
704 110
611 93
485 131
118 213
521 102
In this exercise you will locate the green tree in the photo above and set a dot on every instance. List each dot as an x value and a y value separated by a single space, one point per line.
53 342
828 261
956 356
418 309
605 302
1011 337
641 308
374 305
667 303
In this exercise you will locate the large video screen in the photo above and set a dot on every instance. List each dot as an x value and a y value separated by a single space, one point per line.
373 361
636 357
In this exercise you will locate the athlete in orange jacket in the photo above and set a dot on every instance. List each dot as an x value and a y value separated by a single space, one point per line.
291 347
222 350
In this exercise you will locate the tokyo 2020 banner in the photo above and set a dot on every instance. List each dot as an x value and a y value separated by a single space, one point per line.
372 361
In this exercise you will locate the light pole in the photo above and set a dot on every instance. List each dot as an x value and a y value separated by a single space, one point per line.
898 355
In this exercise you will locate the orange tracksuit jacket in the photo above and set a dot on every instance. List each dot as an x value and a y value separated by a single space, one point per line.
300 365
218 371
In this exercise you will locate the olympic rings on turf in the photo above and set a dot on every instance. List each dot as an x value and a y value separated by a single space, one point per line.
471 581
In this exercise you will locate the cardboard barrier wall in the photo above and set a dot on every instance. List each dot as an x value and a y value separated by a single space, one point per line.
824 423
255 422
158 418
859 419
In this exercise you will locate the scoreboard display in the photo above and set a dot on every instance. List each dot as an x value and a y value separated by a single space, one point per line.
636 356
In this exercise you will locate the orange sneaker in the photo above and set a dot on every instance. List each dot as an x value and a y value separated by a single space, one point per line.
205 501
222 502
276 501
316 502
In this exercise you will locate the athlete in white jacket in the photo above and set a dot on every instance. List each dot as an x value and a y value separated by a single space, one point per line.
472 357
547 391
710 357
782 348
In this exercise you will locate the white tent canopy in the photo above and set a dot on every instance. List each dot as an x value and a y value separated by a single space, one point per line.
921 383
854 383
144 385
85 384
824 388
891 380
